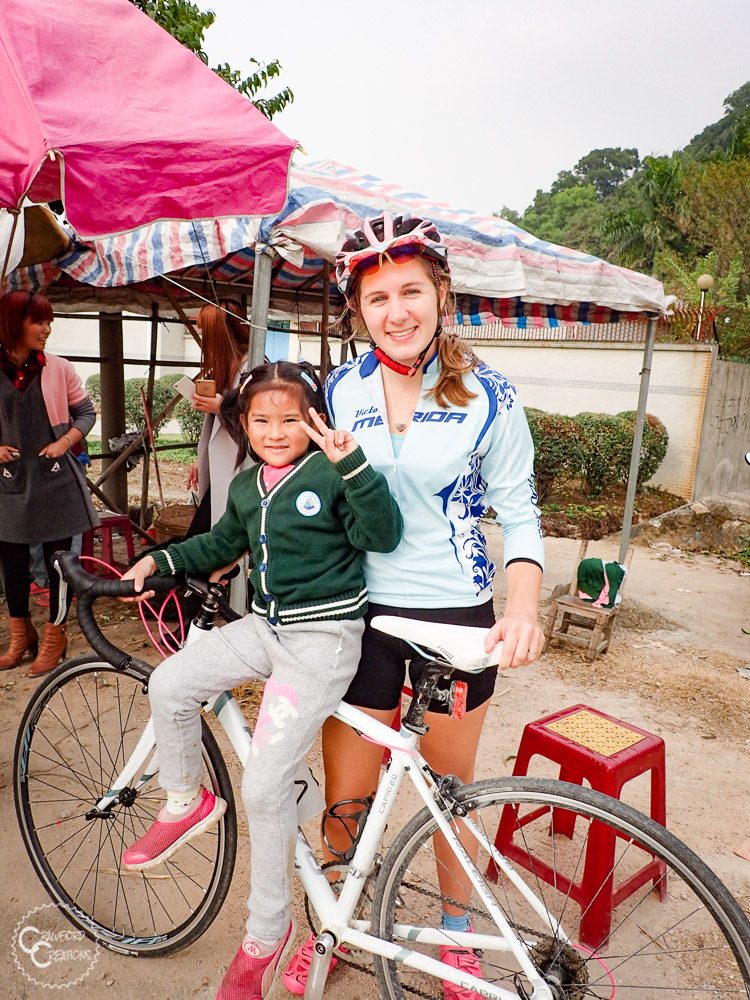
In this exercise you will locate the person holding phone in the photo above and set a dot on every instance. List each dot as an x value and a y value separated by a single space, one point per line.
225 344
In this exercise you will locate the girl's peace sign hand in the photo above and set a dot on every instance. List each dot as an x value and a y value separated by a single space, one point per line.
334 444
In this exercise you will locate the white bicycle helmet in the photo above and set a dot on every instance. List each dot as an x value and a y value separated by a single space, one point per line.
390 238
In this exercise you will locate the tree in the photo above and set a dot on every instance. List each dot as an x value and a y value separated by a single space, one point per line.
606 169
565 179
510 215
714 212
719 139
568 217
640 216
188 24
680 277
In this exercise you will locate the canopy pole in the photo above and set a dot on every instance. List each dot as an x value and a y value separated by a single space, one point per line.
635 455
113 401
325 351
150 405
15 212
261 299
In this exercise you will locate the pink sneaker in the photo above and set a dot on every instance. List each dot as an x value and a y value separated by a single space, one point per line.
161 840
249 978
465 960
295 974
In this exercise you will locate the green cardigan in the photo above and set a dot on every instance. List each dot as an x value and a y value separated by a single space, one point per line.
306 535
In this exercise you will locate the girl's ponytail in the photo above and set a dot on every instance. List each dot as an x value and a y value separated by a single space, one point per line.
231 409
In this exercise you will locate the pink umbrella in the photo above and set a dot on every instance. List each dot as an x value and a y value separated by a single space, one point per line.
103 109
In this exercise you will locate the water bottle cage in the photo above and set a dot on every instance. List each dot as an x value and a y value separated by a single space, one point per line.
341 816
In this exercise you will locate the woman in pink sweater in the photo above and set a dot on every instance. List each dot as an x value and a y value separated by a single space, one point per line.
44 412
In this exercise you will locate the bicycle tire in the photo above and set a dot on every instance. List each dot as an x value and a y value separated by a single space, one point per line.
78 729
695 944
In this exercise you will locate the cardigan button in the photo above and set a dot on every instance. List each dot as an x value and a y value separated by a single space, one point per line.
267 598
261 539
274 621
264 503
263 567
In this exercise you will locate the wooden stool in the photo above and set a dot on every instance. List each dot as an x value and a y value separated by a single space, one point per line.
608 753
109 524
594 625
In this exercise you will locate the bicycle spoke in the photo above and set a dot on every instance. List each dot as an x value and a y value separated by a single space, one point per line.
78 737
675 946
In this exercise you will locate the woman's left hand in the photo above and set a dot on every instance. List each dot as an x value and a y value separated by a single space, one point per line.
206 404
522 639
56 449
334 444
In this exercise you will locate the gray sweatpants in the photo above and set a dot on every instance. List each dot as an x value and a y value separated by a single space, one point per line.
307 668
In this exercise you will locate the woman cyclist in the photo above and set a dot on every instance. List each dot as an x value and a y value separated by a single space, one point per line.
451 439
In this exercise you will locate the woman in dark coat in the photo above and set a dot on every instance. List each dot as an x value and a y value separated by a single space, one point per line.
44 412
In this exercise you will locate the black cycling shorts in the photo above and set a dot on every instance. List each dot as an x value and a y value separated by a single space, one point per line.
382 667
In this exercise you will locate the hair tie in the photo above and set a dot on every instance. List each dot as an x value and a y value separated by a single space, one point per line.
309 380
245 379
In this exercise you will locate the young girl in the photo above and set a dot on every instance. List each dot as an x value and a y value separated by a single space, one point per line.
307 516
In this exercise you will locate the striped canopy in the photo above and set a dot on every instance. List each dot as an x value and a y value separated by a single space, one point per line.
500 272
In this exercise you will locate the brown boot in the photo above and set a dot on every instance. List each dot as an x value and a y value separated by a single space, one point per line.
51 650
23 639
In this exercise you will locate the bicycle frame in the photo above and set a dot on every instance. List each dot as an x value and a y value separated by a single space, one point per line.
336 912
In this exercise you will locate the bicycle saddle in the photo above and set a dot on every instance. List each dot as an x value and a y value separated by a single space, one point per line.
460 645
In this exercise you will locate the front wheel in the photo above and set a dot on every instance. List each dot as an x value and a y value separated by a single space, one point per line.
681 934
79 729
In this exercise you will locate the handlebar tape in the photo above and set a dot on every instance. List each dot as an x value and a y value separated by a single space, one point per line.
88 588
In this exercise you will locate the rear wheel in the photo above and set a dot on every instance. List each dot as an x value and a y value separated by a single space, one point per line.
694 943
79 729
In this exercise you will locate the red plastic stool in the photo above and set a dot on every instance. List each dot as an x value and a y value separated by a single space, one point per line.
608 753
109 524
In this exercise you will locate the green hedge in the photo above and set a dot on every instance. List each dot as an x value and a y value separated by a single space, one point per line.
557 451
190 420
594 448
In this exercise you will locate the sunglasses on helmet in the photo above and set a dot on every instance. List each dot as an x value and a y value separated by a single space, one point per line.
368 261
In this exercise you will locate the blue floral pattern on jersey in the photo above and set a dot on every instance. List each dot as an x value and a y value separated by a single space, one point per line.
465 505
505 391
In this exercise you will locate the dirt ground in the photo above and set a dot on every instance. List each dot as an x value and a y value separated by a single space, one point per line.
671 669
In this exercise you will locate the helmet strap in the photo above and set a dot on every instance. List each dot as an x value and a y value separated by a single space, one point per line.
396 366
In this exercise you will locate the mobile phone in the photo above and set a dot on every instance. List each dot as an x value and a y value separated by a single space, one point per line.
185 386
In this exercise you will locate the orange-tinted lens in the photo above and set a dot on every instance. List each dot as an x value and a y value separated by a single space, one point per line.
396 255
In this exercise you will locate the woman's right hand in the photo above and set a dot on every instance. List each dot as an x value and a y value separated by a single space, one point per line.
138 573
206 404
192 479
8 453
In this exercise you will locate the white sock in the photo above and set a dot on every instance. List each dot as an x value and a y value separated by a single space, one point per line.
259 949
179 804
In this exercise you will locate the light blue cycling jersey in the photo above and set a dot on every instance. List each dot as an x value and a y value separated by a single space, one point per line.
454 463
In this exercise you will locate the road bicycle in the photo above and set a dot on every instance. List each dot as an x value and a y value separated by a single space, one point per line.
84 780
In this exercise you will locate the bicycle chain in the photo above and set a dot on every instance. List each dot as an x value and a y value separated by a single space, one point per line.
548 939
